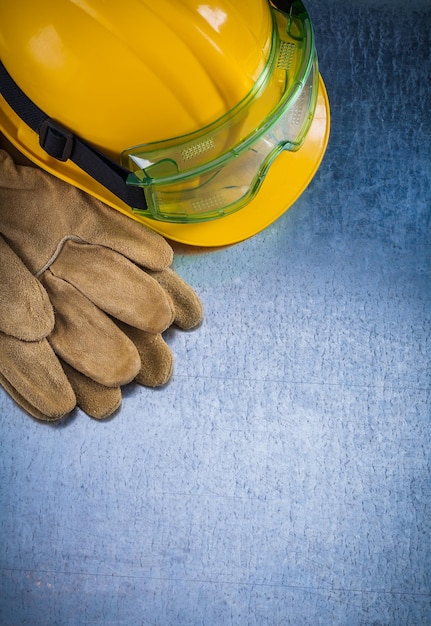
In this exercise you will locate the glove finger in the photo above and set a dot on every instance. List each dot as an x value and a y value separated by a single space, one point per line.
112 229
94 399
33 376
187 305
87 339
115 285
24 404
25 310
156 357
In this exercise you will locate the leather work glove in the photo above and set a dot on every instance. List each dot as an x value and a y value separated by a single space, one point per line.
27 361
108 280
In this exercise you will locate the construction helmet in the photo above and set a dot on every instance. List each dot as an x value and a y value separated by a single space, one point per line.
204 121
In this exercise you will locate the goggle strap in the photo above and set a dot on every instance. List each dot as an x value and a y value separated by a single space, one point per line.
62 145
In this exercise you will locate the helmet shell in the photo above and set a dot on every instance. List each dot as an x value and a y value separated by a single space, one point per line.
119 77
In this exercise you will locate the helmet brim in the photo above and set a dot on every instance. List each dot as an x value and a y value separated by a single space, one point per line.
285 181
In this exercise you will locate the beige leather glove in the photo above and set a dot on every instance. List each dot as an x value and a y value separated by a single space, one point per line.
29 369
109 283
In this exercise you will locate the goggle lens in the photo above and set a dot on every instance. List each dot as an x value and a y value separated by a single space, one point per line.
218 170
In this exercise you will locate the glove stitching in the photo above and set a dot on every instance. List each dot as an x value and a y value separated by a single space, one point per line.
57 252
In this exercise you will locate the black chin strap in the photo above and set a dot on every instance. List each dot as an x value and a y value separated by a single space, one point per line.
62 145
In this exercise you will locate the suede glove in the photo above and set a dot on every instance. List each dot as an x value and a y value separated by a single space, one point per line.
109 283
29 368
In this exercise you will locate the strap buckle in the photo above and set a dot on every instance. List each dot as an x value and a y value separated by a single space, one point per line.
56 140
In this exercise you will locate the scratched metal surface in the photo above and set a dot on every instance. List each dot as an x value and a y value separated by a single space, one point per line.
283 476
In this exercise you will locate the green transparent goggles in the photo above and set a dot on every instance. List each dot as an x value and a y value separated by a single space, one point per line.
217 170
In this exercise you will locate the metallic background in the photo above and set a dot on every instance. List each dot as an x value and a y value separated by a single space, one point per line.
283 476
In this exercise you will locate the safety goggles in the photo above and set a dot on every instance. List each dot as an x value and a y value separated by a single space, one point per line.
217 170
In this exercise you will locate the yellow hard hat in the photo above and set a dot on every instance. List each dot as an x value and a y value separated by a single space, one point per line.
203 121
